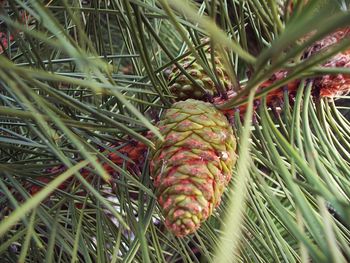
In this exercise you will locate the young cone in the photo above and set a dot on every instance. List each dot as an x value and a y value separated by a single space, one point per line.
194 163
183 88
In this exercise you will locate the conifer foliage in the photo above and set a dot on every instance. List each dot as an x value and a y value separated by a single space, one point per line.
174 131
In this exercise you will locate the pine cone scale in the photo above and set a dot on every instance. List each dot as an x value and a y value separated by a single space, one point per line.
193 165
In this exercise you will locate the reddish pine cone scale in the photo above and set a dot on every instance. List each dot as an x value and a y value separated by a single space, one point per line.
333 85
193 165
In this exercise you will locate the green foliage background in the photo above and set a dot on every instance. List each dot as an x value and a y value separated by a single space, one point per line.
80 75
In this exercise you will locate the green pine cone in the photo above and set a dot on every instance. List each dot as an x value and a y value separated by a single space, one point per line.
193 165
183 88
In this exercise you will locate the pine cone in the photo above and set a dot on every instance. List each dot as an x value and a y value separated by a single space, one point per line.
193 165
183 88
